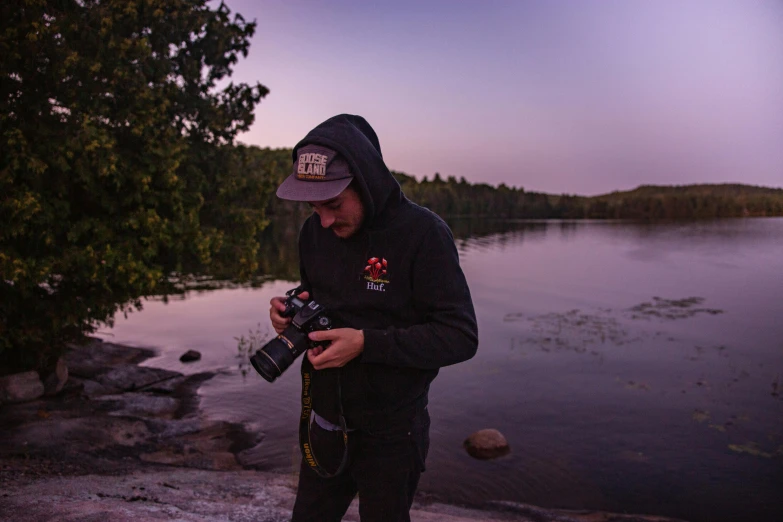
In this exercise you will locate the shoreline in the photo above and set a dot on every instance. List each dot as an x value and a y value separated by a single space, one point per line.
129 442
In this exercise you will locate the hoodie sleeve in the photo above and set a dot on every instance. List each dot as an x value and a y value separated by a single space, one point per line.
448 334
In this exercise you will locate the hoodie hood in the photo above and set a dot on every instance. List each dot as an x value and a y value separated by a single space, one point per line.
353 138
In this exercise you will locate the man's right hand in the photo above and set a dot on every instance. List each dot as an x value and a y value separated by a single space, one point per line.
277 307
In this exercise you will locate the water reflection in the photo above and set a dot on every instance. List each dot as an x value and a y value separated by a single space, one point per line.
481 235
279 254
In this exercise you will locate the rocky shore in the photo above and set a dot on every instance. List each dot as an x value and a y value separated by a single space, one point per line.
124 442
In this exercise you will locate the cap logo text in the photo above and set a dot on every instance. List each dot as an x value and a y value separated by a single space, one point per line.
311 165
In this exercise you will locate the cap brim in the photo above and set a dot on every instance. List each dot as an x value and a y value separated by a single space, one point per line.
297 190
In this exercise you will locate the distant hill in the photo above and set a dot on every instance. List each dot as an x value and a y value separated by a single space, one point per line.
451 197
677 202
709 189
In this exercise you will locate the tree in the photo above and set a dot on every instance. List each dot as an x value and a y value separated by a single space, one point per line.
118 167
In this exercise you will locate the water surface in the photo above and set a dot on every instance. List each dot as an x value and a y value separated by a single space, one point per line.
632 367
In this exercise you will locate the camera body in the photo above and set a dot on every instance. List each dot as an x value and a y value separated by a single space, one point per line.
278 354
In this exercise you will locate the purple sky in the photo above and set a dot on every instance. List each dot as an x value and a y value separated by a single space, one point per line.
556 96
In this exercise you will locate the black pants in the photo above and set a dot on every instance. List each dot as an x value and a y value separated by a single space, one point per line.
384 469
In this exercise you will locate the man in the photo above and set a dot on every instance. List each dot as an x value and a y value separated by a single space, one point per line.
387 270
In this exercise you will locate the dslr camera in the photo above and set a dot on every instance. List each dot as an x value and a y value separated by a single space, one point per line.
277 355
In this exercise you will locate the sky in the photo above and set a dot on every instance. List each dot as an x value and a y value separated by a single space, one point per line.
578 97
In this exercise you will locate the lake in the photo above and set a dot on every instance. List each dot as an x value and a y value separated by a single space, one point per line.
632 367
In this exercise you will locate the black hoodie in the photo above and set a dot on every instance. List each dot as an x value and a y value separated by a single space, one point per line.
417 316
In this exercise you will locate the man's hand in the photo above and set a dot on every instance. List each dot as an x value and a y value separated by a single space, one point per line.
277 307
346 345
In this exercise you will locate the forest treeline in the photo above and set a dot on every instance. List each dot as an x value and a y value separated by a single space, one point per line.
450 197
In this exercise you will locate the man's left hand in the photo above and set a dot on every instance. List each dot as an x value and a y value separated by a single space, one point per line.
346 344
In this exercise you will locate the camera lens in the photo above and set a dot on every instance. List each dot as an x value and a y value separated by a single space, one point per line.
277 355
264 364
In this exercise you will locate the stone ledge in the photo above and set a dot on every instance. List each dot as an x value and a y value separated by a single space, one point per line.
150 456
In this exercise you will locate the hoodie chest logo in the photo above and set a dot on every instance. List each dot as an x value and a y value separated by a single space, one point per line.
376 274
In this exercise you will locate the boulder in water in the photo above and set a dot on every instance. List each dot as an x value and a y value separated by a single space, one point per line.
487 444
190 356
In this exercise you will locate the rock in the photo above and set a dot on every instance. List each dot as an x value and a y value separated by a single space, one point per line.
190 457
95 389
139 405
20 387
256 457
170 429
487 444
129 433
54 382
168 386
190 356
130 378
208 448
95 357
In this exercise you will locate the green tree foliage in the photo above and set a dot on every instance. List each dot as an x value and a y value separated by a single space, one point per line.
118 166
460 198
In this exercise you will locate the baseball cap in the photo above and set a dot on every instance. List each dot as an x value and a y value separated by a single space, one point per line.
319 174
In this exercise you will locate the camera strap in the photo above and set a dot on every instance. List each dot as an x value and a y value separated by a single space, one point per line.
305 444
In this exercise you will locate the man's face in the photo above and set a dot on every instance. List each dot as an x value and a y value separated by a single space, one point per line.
343 215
